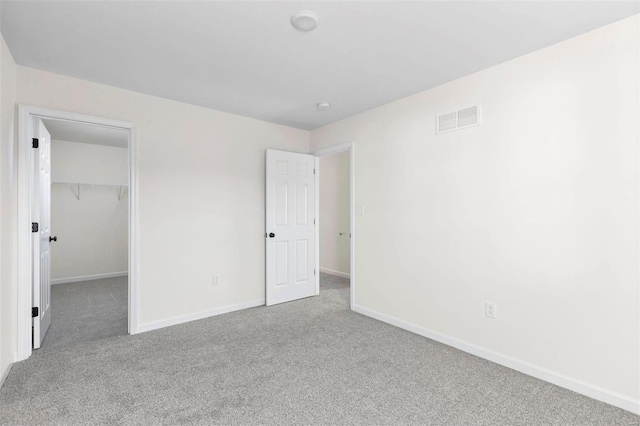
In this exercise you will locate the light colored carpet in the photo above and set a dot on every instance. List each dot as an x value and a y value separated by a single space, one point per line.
86 311
307 362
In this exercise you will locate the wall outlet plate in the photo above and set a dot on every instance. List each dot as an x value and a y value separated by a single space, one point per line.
216 280
490 310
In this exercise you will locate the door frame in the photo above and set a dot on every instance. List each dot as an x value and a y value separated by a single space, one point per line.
25 181
349 146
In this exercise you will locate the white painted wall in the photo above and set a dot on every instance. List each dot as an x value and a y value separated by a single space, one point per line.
200 184
89 163
8 212
535 210
92 231
334 213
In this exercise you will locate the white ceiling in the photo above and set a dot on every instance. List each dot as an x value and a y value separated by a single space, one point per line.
85 133
245 58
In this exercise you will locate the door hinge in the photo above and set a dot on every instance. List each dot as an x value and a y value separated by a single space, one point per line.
35 143
314 171
314 272
34 312
314 221
34 226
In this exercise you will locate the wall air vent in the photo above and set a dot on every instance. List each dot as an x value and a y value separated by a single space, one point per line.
461 119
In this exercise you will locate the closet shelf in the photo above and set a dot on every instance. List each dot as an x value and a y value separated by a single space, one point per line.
75 187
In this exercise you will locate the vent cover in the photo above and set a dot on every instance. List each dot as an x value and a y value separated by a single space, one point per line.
460 119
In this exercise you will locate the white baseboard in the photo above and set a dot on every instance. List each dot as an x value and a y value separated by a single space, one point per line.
5 373
199 315
592 391
89 277
337 273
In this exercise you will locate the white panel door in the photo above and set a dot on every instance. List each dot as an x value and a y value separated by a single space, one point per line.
290 228
41 205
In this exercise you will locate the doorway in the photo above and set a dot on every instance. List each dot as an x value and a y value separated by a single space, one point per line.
335 208
88 215
293 222
73 187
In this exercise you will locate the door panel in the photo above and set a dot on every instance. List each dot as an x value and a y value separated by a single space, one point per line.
302 257
302 204
290 203
42 214
282 189
281 263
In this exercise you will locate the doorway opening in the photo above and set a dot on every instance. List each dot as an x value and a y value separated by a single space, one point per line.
293 221
88 216
77 197
335 212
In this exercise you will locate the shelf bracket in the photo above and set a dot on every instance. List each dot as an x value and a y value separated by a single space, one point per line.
77 192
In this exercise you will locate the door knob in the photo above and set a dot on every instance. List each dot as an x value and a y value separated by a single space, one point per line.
53 239
271 235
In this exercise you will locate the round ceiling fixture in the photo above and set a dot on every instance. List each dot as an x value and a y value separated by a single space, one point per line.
305 20
323 106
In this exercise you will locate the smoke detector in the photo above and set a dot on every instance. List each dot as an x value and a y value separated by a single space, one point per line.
305 20
323 106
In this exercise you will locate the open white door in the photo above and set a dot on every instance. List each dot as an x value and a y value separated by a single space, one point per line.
290 230
41 208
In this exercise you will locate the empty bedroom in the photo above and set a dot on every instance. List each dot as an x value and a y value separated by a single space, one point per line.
320 212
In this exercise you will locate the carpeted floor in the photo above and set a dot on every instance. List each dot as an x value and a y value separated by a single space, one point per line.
86 311
306 362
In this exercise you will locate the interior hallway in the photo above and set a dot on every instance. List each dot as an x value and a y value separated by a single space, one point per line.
311 361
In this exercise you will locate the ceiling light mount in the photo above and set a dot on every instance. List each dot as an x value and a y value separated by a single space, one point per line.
305 20
323 106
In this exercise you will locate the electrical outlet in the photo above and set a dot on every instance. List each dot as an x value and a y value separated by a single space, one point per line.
216 280
490 309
